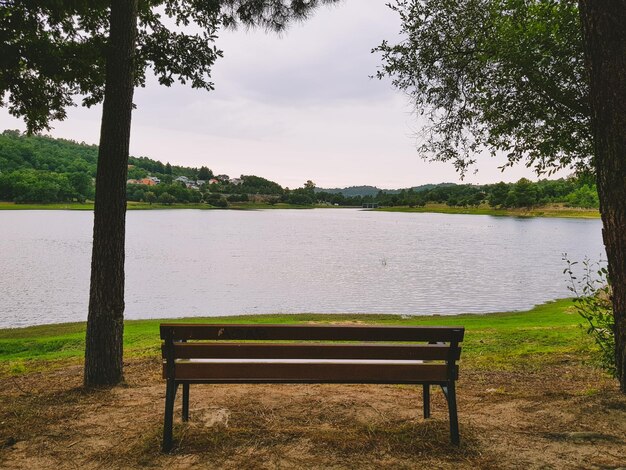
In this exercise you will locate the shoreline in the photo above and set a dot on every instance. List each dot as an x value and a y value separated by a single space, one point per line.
88 206
303 317
550 211
548 328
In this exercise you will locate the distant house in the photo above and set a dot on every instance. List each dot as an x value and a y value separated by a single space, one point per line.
200 182
154 178
183 179
144 181
223 178
235 181
214 181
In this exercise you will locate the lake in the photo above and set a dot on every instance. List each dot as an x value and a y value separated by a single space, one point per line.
211 263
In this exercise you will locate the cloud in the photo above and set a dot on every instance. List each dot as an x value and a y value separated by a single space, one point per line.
328 58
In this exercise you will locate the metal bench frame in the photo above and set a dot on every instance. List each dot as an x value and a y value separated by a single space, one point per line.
225 353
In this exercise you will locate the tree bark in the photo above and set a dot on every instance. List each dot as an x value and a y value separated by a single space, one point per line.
105 321
604 32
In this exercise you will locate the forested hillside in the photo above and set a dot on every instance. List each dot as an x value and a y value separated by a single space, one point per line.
45 169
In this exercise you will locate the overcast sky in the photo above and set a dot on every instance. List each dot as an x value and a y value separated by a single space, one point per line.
290 108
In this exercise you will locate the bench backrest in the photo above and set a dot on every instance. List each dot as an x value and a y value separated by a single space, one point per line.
261 332
183 341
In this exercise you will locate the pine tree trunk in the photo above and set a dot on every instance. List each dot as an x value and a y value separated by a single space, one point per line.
604 30
105 322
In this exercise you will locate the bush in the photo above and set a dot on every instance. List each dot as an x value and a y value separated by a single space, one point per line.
586 197
167 198
215 200
238 198
220 203
592 299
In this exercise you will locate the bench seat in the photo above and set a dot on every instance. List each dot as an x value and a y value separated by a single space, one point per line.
309 370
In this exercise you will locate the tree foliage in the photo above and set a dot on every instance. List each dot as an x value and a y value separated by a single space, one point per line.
497 76
54 52
255 185
204 173
542 80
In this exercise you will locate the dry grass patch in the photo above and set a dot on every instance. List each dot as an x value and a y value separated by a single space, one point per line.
544 418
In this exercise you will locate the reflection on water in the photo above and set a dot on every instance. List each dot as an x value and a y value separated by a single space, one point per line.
191 262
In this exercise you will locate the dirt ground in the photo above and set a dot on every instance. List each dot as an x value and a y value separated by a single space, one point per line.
565 416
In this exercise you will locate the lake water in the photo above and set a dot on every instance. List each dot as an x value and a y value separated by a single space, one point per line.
211 263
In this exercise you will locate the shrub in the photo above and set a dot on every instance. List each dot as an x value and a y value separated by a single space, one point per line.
167 198
592 299
238 198
215 200
586 197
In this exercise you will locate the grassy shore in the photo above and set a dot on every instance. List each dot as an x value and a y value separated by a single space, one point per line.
75 206
553 210
496 340
131 205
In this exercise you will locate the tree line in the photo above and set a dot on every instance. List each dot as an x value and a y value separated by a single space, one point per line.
572 192
576 191
43 170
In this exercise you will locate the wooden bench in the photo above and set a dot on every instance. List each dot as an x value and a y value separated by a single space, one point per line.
227 354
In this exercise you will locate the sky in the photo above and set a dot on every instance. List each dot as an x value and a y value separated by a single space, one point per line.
291 107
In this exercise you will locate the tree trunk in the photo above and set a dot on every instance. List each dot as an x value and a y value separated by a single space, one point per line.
604 33
105 322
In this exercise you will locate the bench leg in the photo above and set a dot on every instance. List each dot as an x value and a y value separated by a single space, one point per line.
170 395
426 401
185 402
454 420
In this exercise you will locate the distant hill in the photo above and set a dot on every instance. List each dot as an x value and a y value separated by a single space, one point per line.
355 191
352 191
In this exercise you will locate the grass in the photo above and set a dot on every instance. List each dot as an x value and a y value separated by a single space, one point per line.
131 205
76 206
505 341
88 206
553 210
